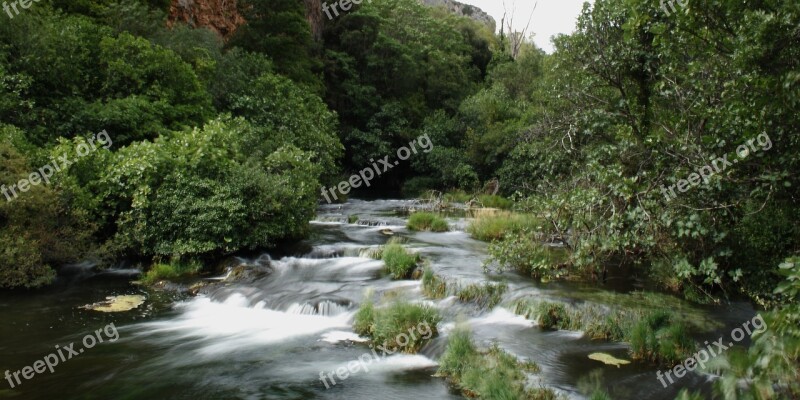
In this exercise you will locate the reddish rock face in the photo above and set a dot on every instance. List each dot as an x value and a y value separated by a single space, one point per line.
223 17
220 16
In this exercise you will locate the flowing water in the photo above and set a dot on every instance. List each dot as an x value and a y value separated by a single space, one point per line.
270 336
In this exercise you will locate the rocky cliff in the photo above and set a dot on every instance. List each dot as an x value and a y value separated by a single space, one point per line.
465 10
220 16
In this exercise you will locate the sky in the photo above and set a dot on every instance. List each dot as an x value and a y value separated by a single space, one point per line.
550 18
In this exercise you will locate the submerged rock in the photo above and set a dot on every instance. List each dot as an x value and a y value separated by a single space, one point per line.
387 232
247 273
608 359
117 303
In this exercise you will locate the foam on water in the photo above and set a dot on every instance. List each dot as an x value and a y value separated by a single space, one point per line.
342 336
502 316
239 324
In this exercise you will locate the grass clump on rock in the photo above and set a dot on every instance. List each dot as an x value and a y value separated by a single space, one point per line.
660 339
400 326
426 221
170 271
400 263
487 295
494 201
432 285
490 374
491 226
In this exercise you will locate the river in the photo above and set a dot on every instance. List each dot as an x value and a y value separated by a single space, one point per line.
269 337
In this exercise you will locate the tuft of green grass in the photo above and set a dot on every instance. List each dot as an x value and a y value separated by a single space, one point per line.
554 316
494 226
170 271
400 263
352 219
457 196
432 285
461 354
364 319
493 201
401 326
426 221
596 322
487 295
490 374
658 338
610 327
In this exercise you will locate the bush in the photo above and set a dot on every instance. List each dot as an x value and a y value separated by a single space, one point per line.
425 221
385 325
432 285
525 254
40 228
495 226
202 192
21 264
171 271
400 263
417 186
487 295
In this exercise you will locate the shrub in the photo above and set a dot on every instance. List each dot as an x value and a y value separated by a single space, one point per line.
401 319
417 186
425 221
21 264
523 253
432 285
487 295
171 271
399 262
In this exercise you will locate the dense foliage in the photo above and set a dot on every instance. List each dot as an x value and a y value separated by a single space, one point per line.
592 138
222 146
210 151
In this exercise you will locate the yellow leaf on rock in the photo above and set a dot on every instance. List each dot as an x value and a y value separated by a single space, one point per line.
117 303
608 359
